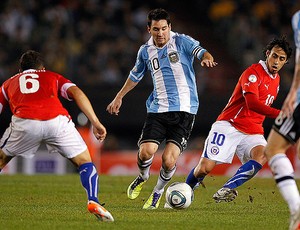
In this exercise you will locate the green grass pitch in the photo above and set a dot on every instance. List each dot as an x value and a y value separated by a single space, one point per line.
59 202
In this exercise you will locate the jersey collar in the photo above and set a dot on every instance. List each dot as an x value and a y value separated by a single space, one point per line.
263 64
29 70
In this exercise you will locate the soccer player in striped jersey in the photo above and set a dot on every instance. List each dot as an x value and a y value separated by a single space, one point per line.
285 132
173 103
239 128
39 117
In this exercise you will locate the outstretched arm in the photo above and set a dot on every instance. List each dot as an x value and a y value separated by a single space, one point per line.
85 106
290 100
114 106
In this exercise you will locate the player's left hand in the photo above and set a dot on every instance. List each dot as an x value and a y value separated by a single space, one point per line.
208 60
114 106
208 63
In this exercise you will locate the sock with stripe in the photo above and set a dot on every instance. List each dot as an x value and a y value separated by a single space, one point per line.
243 174
284 176
89 180
163 179
144 167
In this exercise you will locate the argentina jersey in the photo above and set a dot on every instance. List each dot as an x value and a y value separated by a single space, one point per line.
172 72
296 29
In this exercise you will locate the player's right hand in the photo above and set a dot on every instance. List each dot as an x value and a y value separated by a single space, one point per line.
114 106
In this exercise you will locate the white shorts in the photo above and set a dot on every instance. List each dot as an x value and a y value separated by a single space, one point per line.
23 137
224 141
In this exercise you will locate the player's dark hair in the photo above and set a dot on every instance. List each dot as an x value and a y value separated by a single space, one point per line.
282 43
31 60
158 14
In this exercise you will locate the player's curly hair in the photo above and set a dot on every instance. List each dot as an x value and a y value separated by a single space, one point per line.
158 14
282 43
31 60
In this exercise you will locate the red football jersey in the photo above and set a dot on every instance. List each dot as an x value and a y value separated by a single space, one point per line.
34 94
255 79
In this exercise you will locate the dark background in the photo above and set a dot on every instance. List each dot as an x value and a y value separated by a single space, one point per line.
94 44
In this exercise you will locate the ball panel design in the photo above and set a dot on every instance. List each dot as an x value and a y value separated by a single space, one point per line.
179 195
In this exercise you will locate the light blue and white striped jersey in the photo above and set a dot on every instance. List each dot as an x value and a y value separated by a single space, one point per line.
172 73
296 28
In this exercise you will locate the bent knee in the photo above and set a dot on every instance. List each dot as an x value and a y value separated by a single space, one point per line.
81 158
147 150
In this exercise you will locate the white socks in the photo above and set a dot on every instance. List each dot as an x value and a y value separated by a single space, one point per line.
284 176
144 167
163 179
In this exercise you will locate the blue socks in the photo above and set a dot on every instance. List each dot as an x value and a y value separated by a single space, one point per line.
243 174
191 180
89 180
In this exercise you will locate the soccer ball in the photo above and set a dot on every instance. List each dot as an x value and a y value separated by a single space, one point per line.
179 195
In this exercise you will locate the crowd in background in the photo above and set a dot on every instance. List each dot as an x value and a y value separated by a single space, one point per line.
247 26
91 42
94 42
98 39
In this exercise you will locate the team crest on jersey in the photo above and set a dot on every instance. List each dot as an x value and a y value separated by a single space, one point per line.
214 150
174 57
252 78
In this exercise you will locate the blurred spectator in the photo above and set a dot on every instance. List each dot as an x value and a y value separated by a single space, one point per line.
222 9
